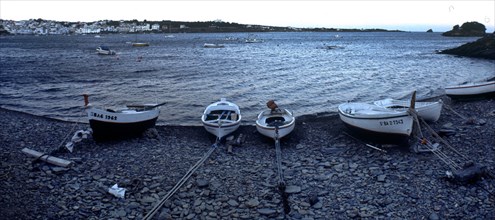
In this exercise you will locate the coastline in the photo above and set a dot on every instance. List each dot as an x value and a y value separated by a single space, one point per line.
333 175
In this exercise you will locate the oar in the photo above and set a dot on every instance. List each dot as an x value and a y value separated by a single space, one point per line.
146 106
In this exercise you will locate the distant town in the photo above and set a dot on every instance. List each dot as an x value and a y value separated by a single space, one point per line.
48 27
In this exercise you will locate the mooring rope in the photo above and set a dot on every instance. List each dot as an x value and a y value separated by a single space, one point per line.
70 131
181 182
60 145
441 155
442 140
67 136
452 110
281 182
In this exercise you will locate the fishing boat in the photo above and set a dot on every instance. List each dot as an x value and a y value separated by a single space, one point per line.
429 111
132 120
275 122
375 122
471 90
221 118
209 45
252 39
140 44
104 50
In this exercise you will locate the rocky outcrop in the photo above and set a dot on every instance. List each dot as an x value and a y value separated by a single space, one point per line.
468 29
429 31
482 48
3 31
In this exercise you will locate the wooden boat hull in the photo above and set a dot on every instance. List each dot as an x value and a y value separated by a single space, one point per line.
107 124
429 111
285 127
221 118
376 123
473 90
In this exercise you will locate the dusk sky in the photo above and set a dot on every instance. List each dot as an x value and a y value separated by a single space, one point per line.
402 15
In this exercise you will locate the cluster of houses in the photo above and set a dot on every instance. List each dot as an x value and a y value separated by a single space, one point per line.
46 27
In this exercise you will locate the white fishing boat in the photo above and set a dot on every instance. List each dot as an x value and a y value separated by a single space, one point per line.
429 111
274 122
209 45
471 90
221 118
252 39
104 50
132 120
376 122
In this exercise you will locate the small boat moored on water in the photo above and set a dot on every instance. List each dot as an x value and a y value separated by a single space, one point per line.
133 120
209 45
429 111
104 50
376 122
471 90
252 39
140 44
221 118
275 122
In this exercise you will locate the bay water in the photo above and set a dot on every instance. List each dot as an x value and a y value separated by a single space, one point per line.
306 72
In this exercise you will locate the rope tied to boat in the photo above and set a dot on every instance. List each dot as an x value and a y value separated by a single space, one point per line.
59 148
453 111
181 182
281 182
455 166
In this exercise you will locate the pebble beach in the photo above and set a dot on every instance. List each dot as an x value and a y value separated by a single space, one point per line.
329 175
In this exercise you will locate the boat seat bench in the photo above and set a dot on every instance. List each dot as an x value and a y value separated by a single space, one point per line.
214 115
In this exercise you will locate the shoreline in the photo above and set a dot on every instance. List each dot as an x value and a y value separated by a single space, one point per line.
330 174
303 117
334 114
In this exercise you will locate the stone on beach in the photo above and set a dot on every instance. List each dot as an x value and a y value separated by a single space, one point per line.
326 173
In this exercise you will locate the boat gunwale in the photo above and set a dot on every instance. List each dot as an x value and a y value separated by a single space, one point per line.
402 114
263 115
116 122
471 85
273 128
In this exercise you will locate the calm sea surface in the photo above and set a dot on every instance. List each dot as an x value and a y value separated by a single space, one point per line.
47 75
